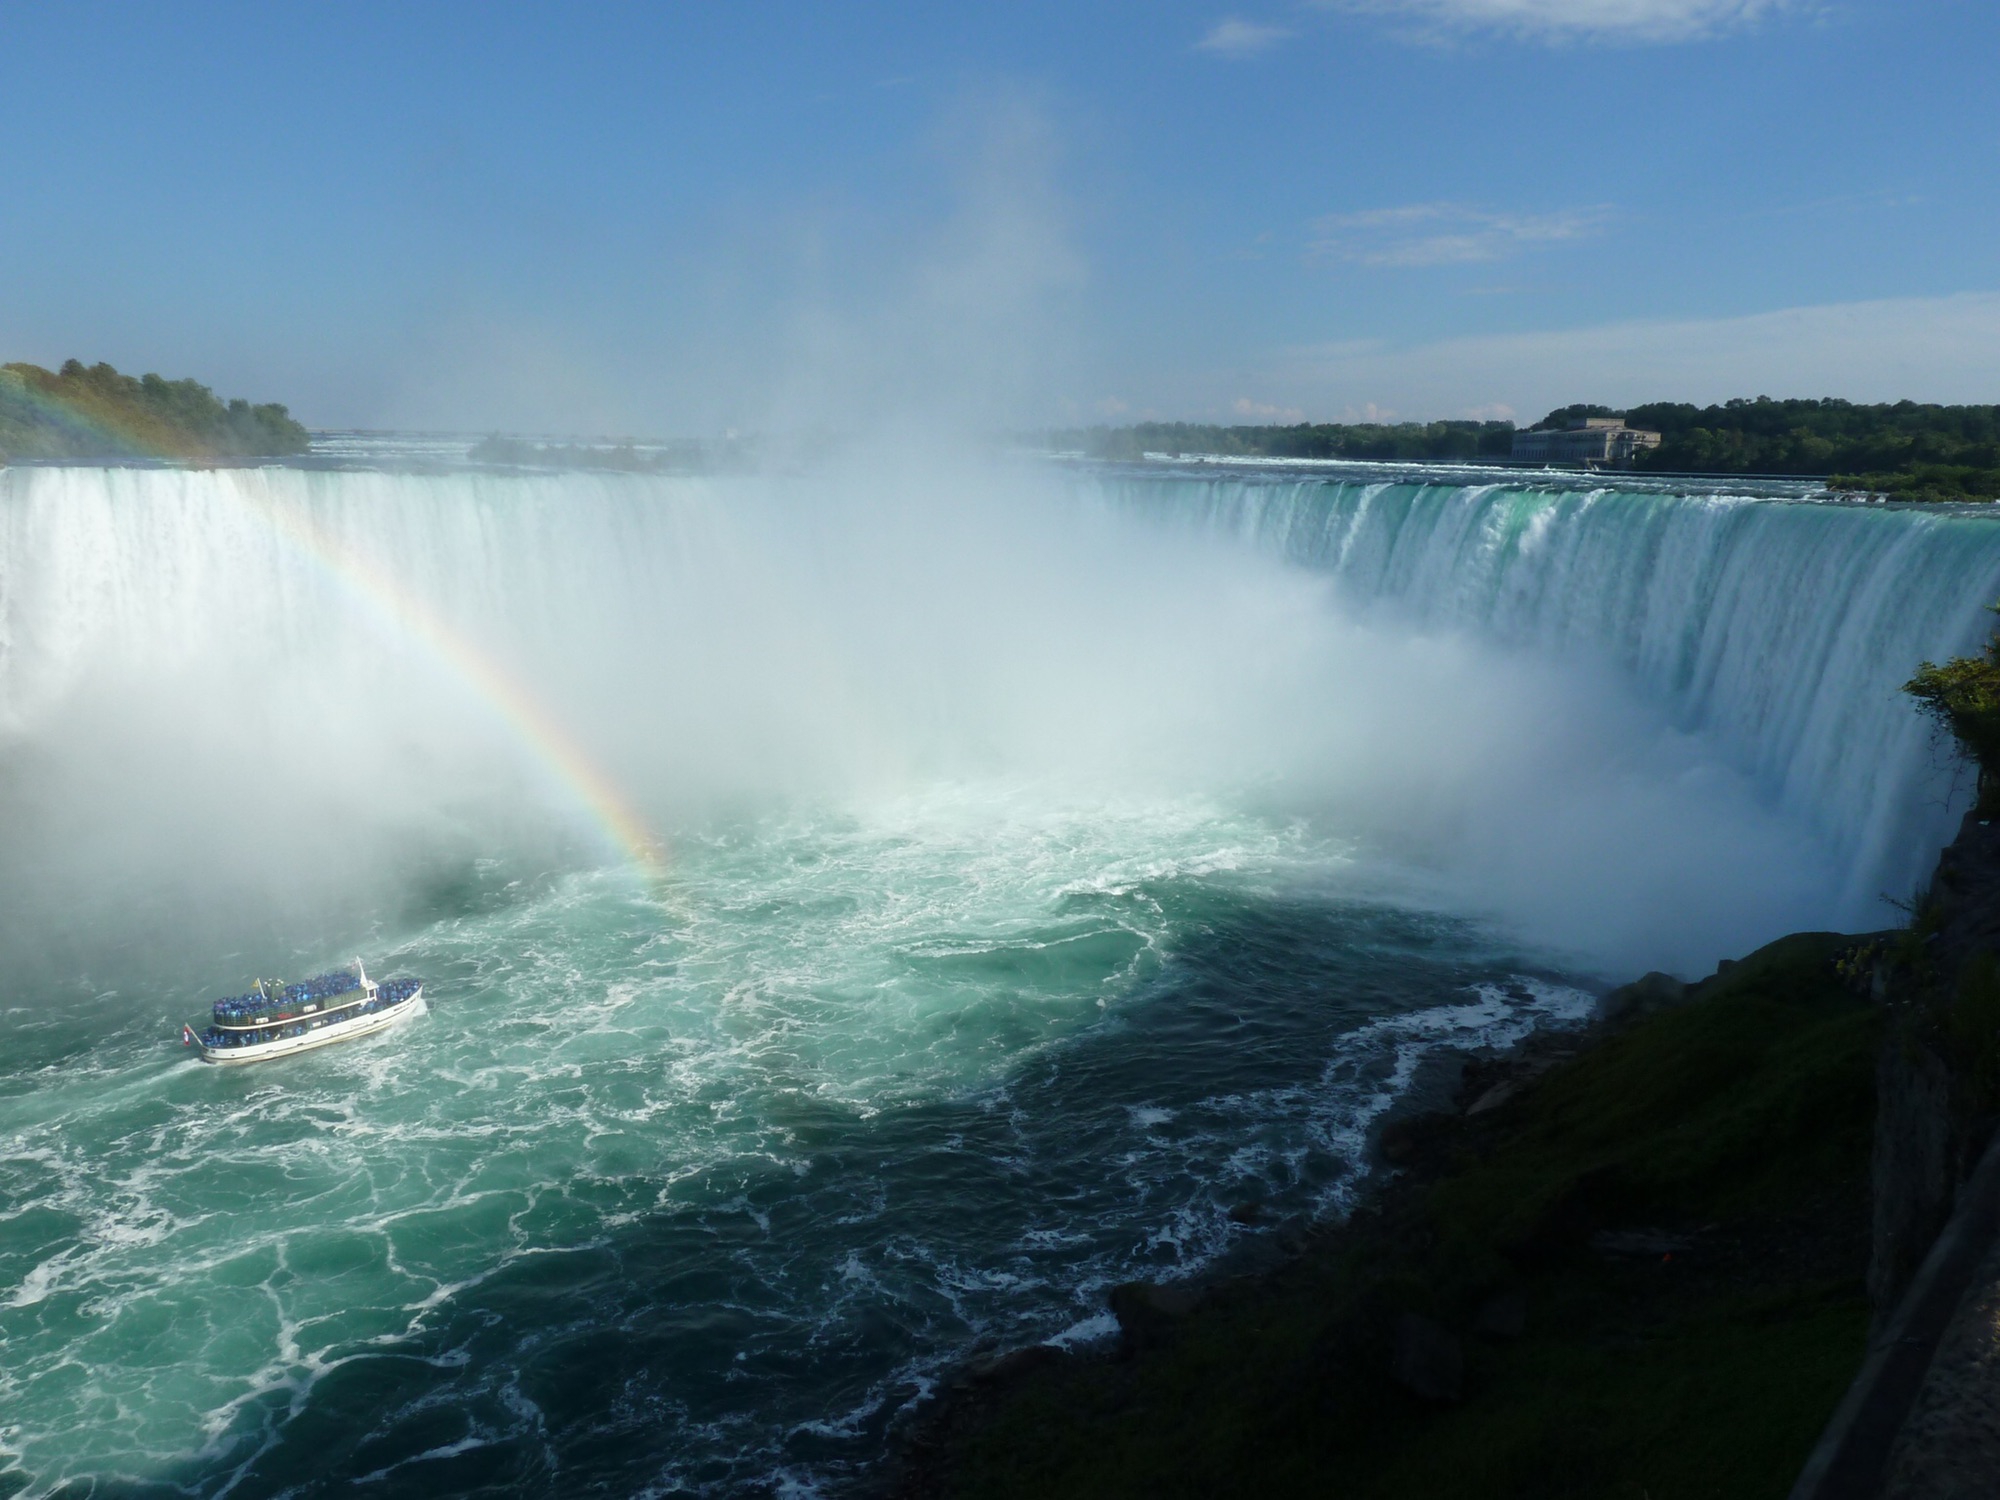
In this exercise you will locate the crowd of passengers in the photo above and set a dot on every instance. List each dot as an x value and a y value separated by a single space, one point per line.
319 987
394 992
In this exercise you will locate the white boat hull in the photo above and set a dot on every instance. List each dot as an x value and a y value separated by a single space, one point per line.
323 1035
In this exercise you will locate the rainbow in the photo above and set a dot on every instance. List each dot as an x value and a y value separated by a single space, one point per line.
365 583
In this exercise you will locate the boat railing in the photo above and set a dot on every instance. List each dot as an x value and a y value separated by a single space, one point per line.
313 997
249 1032
269 1002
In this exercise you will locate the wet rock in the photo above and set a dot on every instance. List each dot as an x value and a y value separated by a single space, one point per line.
1147 1311
1428 1361
1638 1244
1494 1097
1407 1138
997 1369
1649 993
1504 1315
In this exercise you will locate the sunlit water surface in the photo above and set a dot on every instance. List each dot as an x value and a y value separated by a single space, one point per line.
697 1187
1099 862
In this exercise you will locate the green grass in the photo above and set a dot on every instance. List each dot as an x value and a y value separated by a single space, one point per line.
1744 1115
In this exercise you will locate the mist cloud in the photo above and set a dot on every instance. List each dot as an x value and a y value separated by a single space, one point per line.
217 743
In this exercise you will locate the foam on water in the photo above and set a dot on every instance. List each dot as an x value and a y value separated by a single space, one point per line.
1045 883
748 1163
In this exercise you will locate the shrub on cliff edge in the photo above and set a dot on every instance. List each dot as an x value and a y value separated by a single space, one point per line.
1962 697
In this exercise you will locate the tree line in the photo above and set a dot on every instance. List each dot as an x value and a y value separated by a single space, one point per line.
92 411
1905 447
1378 442
1909 449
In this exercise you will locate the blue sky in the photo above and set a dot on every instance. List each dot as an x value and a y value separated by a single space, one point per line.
676 218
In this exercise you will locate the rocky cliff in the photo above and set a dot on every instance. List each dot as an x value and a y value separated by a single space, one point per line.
1940 1062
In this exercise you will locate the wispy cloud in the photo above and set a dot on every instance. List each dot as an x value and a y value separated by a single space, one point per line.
1258 411
1444 234
1576 20
1926 349
1234 37
1368 411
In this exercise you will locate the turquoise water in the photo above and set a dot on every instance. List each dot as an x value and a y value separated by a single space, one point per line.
700 1186
1055 862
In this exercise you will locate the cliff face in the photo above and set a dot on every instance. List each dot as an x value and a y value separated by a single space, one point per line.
1965 893
1936 1077
1916 1167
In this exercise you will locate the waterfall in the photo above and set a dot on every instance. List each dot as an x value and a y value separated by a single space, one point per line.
212 667
1054 859
1782 627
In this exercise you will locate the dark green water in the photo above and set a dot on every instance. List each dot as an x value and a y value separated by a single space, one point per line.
697 1188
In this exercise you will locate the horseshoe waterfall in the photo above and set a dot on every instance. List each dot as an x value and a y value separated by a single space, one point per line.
865 913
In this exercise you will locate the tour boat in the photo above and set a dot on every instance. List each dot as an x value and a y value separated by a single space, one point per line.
276 1020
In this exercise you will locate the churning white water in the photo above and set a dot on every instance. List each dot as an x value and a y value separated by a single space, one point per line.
1780 630
1675 718
1055 858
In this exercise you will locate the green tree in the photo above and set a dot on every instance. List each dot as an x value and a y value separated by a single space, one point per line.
1962 697
1562 416
92 411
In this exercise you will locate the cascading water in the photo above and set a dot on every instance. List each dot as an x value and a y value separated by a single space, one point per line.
1785 629
1039 882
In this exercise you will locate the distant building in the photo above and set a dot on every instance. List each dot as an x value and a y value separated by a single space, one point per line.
1605 441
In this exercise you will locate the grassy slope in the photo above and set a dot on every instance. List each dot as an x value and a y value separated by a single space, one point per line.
1742 1119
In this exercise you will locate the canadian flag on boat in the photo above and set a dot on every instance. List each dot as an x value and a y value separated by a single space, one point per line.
187 1035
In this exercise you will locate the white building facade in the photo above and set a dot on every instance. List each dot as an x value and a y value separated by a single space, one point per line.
1604 442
